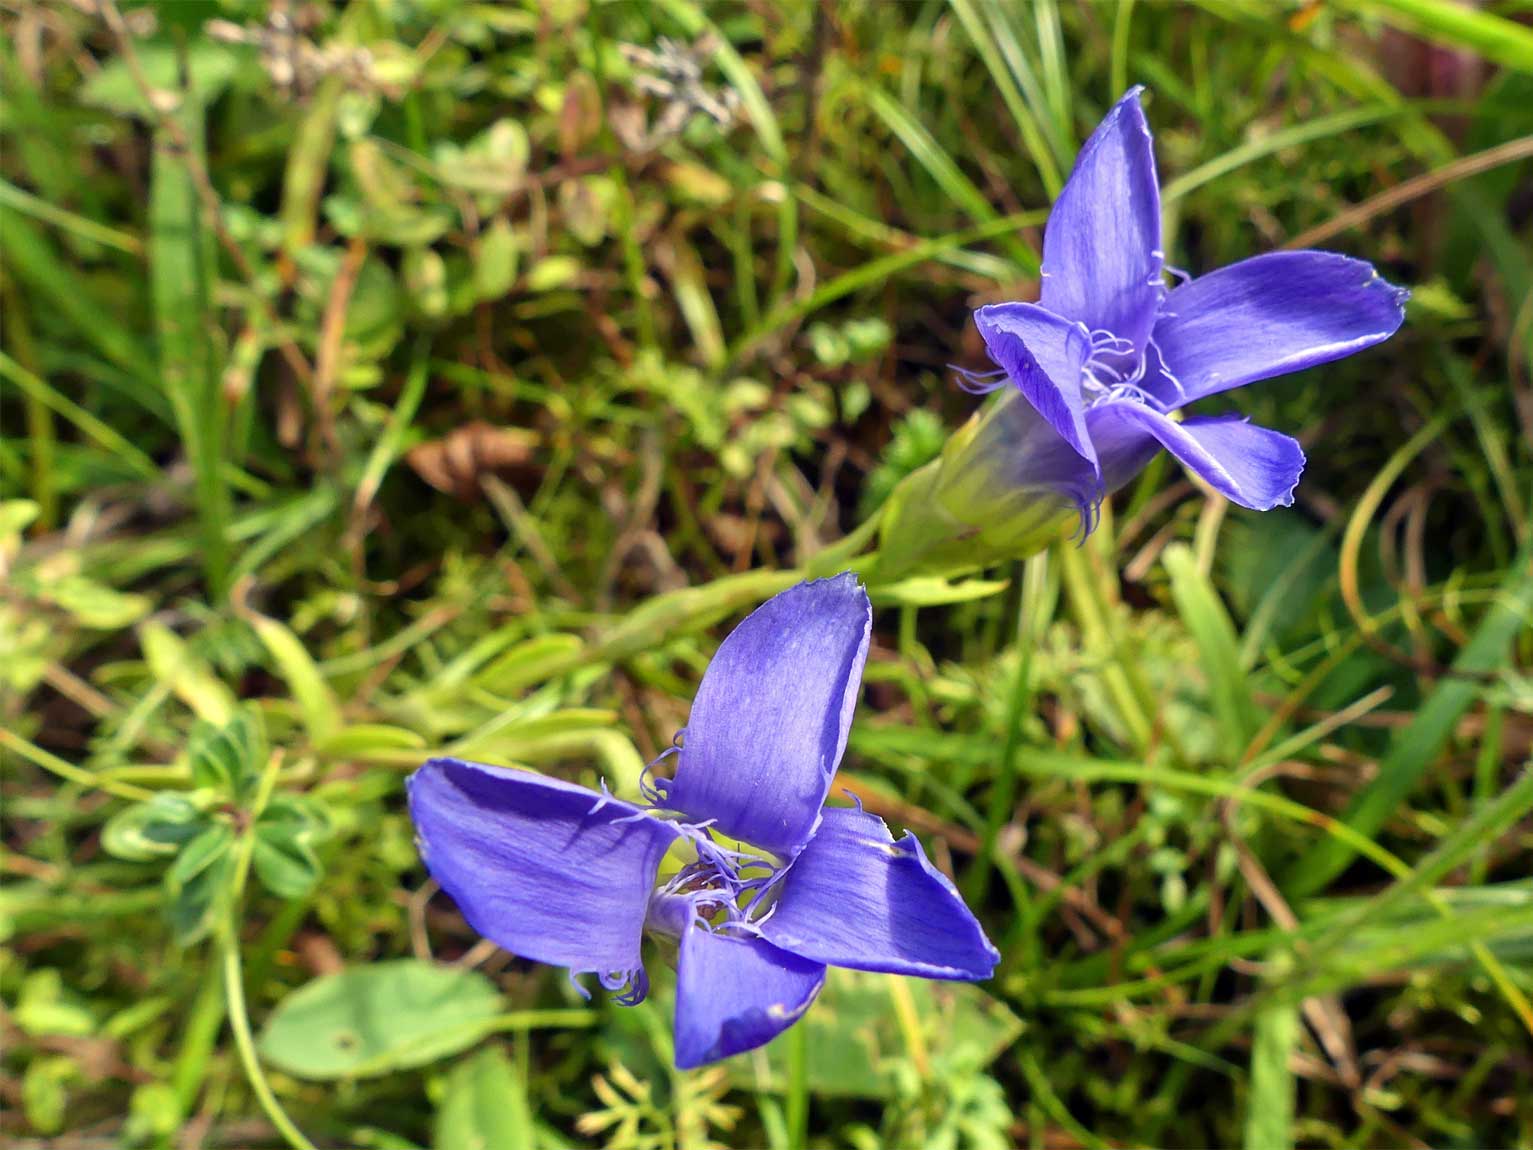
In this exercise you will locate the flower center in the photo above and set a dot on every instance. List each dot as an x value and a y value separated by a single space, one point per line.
1113 370
720 889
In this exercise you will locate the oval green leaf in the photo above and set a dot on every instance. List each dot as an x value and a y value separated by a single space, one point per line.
376 1019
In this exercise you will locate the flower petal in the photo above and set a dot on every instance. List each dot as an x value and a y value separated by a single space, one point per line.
1271 315
1101 248
1043 355
735 994
1251 465
769 723
549 870
857 898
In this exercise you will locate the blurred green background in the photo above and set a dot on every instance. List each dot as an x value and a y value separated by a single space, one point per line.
393 376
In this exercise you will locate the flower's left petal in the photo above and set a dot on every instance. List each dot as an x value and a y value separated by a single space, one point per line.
735 994
1271 315
769 723
549 870
1101 248
857 898
1250 465
1043 355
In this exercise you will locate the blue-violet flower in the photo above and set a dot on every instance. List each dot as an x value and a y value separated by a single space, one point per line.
1108 353
567 876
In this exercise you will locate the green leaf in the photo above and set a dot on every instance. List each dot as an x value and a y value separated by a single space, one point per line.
495 260
493 163
284 862
528 662
154 829
360 738
321 710
44 1098
376 1019
154 1113
172 662
191 909
197 880
856 1042
935 591
228 758
283 854
15 516
485 1107
209 68
552 273
95 604
44 1006
424 275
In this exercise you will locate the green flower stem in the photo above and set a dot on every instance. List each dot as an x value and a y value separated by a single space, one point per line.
239 1022
234 977
797 1101
66 770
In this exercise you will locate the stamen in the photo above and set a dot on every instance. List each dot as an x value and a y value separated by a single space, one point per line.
633 984
605 798
1169 375
978 382
633 818
652 793
1104 340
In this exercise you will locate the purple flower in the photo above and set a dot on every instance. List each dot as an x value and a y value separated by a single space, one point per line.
563 875
1108 353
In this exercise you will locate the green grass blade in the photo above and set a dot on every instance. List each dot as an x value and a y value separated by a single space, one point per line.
33 259
1269 1106
25 202
181 264
875 272
104 435
1007 64
762 118
942 168
1417 745
1122 25
1458 26
1290 137
1198 604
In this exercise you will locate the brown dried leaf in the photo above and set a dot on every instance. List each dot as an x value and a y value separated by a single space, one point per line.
580 115
455 463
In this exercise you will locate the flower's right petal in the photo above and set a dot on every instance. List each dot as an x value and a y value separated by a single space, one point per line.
857 898
1271 315
735 994
770 720
1250 465
1043 355
549 870
1101 248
